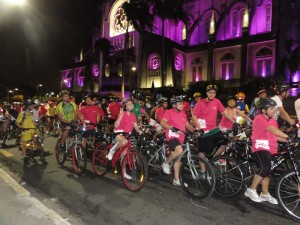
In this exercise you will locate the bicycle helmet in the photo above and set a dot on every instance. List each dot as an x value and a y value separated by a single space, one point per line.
211 87
162 100
177 99
158 96
63 92
265 103
240 95
261 91
231 98
282 88
196 94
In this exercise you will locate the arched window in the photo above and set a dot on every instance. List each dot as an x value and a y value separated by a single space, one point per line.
197 67
235 18
237 14
227 66
263 59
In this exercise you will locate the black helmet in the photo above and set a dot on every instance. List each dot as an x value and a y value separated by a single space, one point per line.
211 87
231 98
63 92
177 99
282 88
265 103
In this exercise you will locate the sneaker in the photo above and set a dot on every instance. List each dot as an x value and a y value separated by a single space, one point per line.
110 154
204 175
177 183
268 198
252 194
128 177
166 168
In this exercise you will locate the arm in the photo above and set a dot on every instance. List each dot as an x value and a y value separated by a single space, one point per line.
118 121
280 135
285 116
244 115
195 121
226 115
164 124
190 127
137 129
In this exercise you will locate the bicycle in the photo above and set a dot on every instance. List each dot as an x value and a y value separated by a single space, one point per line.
200 185
11 138
235 174
72 149
133 166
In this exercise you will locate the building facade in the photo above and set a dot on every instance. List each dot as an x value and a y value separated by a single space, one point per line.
226 40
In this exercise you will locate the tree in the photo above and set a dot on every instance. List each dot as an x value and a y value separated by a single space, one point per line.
138 14
172 10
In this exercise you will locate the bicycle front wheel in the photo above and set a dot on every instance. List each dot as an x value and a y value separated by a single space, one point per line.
10 140
99 160
134 171
60 153
229 176
79 159
154 162
288 194
195 183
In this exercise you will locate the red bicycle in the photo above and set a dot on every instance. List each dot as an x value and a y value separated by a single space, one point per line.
133 166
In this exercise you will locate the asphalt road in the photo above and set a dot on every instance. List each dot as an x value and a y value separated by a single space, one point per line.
88 199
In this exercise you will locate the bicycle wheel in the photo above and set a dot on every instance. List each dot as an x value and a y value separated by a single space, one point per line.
10 140
134 171
60 154
99 160
197 184
79 159
55 129
154 163
288 193
229 176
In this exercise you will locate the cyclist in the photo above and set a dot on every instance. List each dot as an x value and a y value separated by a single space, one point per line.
205 117
159 113
282 93
265 134
113 111
253 109
66 113
26 120
50 115
123 126
197 97
175 118
241 105
90 114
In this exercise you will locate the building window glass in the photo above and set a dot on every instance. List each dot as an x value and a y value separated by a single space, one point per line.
227 67
264 62
235 23
197 67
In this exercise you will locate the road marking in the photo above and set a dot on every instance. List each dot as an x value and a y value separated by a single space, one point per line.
21 191
6 153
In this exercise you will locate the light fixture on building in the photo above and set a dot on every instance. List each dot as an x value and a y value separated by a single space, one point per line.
246 17
212 24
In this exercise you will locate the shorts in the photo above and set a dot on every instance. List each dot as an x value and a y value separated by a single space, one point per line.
173 143
27 135
206 143
263 160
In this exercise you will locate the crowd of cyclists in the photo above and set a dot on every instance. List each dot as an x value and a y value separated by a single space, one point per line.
170 117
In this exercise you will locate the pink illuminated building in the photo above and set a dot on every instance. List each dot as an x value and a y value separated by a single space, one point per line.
226 40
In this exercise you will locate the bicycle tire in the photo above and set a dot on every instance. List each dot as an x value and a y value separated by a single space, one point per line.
154 163
229 176
191 180
135 166
55 130
287 192
9 141
60 154
99 160
79 159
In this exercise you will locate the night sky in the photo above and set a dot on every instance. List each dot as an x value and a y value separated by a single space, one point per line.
36 41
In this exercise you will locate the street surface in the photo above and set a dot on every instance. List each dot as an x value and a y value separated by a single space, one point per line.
88 199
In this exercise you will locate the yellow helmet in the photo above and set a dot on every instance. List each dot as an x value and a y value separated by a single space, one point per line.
240 95
196 94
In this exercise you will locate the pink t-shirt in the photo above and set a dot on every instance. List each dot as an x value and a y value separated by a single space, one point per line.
178 120
126 123
206 113
90 113
226 123
261 138
114 109
160 113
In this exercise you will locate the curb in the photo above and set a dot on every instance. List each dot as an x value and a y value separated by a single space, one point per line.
22 192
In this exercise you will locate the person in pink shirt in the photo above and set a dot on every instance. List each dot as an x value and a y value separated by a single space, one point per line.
159 113
113 111
175 118
233 112
124 124
265 134
204 116
90 115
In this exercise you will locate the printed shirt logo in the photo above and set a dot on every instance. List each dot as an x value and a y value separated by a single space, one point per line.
173 134
202 123
262 144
